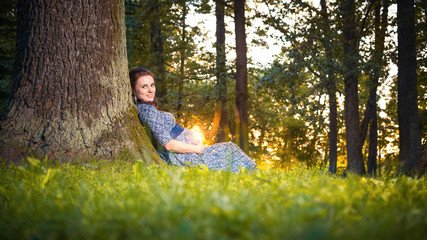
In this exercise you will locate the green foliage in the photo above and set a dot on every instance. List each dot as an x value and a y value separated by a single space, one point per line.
188 66
101 200
7 49
298 78
294 112
421 25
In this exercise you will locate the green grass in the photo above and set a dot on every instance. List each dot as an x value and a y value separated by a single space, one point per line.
122 200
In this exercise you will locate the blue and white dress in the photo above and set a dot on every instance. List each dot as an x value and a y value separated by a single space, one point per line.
220 156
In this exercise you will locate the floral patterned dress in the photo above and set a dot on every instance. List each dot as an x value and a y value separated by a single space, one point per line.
220 156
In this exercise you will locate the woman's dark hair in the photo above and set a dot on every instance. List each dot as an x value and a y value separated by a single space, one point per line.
134 75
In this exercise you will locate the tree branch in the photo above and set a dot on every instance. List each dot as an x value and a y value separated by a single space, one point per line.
365 19
222 2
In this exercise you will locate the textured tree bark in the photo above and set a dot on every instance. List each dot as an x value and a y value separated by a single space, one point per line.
407 105
241 74
221 74
332 89
351 105
71 98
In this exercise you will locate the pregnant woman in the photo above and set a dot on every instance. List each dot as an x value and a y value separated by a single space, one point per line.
183 149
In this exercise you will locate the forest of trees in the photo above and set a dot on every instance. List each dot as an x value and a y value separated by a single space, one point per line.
347 90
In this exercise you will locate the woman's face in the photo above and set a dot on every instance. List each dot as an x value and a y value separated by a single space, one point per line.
145 89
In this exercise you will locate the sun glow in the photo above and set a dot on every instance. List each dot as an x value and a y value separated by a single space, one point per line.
198 134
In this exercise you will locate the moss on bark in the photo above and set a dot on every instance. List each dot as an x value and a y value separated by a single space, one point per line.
125 140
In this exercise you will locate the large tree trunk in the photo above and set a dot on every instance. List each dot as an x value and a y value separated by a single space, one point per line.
221 75
71 98
157 54
332 89
407 106
241 75
351 75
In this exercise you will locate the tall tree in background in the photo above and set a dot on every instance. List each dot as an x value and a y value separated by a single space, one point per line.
421 40
160 38
157 52
409 122
241 75
221 75
71 96
145 40
182 58
380 25
351 76
331 88
299 80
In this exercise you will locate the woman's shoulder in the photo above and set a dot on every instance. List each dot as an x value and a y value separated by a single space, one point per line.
146 109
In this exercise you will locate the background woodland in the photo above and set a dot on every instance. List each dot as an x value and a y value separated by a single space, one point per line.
333 95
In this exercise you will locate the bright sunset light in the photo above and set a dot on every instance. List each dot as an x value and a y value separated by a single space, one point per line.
198 134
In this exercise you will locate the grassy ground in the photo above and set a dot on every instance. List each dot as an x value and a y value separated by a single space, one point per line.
122 200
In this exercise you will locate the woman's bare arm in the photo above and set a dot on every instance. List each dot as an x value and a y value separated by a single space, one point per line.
182 147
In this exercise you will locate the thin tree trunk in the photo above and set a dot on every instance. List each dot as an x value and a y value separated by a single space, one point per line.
332 89
157 54
221 74
381 23
371 123
351 105
407 106
421 167
182 61
71 97
241 74
373 141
